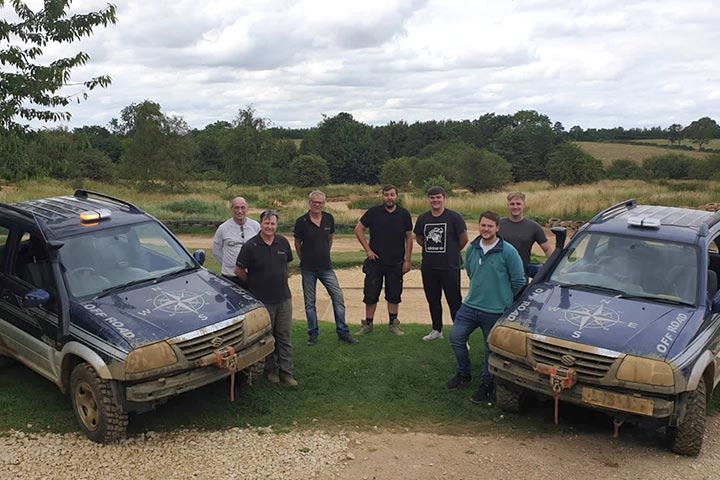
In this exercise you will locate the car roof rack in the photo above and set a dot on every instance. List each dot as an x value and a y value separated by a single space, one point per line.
20 211
614 211
84 194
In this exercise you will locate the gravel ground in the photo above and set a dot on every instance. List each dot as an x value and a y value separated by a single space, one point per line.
232 454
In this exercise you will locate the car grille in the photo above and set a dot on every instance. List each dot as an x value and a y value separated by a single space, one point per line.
589 366
206 344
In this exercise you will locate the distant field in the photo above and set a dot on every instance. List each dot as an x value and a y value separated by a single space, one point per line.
607 152
714 143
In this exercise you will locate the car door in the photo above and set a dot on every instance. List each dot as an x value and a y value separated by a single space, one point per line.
29 333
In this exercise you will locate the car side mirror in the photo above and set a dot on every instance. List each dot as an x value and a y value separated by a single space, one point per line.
35 298
199 256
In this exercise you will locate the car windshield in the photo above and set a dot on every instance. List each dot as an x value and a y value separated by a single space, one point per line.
101 260
632 267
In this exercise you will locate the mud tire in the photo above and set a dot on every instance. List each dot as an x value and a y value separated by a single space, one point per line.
687 437
101 419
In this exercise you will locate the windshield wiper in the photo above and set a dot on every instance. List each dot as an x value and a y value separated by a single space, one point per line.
122 286
588 286
186 268
671 301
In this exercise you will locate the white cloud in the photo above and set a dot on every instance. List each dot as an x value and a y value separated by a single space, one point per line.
595 63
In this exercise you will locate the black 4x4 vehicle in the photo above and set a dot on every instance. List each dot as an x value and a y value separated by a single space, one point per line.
625 319
102 299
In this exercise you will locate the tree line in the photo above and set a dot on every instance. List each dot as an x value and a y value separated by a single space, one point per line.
146 146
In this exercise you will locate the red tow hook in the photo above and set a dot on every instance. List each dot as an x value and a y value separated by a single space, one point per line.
561 378
226 358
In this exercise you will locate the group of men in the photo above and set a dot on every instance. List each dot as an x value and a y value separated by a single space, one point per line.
496 262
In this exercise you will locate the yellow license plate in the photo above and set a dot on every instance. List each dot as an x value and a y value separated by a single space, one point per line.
617 401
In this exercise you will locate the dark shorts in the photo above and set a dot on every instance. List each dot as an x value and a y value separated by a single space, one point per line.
375 273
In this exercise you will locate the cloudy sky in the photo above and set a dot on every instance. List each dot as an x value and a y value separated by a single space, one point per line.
593 63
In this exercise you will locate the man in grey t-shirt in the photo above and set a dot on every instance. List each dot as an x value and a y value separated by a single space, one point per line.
522 232
231 236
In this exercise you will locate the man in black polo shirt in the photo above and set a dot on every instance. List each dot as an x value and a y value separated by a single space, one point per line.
263 264
388 256
314 233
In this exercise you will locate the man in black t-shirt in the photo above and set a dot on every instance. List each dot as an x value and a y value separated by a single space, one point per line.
314 234
388 256
442 234
263 264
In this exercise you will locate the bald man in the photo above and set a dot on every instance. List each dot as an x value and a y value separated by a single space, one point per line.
231 236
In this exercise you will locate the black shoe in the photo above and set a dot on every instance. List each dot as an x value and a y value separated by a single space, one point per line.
485 393
349 339
312 340
458 381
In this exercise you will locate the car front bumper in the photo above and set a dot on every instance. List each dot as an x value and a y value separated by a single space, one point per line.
587 395
170 386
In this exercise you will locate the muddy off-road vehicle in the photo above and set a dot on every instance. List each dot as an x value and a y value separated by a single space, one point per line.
624 319
99 297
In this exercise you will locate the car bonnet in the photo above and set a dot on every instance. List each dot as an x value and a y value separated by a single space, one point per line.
153 312
637 327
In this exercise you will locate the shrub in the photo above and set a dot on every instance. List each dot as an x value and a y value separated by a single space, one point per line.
396 171
568 164
438 181
622 169
672 165
309 171
426 168
481 171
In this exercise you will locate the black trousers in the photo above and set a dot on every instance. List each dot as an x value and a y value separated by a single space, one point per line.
436 281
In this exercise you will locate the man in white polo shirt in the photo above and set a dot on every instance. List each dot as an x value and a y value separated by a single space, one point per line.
231 236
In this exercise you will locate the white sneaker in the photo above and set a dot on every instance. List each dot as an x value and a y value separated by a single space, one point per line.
433 335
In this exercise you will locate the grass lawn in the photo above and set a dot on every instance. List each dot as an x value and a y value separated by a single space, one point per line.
385 380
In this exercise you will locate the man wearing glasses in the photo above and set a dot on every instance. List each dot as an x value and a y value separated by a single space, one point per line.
231 236
314 234
263 263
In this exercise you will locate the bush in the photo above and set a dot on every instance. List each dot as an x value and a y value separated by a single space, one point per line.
622 169
91 164
672 165
438 181
425 169
481 171
396 171
309 171
568 164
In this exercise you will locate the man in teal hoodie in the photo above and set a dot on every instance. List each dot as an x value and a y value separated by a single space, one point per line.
496 275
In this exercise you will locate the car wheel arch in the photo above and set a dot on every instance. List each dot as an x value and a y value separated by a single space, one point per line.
74 353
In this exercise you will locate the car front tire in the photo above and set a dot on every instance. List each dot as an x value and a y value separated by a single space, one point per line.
687 437
100 417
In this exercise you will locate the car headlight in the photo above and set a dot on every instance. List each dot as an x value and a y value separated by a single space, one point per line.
152 356
509 340
256 321
646 370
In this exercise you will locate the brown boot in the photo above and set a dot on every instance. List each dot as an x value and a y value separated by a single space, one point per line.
366 328
395 328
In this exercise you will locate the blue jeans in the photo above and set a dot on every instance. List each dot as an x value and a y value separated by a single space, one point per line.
330 281
467 320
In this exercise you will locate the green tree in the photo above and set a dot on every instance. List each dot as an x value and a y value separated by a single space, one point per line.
526 144
674 133
158 149
481 171
30 86
348 147
309 171
701 131
568 164
247 149
428 168
396 171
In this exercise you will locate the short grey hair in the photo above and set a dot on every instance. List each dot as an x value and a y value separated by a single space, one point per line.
316 193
